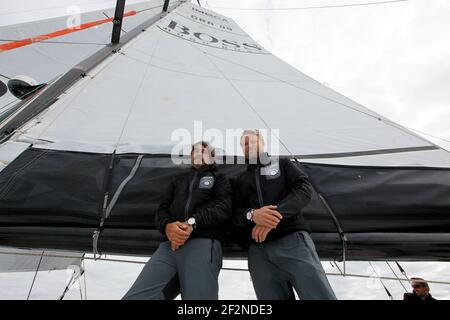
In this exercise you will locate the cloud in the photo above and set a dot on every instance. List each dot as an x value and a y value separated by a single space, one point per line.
391 58
111 280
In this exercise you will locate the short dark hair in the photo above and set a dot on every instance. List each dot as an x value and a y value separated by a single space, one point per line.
205 145
422 281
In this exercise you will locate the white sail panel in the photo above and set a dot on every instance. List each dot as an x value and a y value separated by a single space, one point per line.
197 65
42 50
9 151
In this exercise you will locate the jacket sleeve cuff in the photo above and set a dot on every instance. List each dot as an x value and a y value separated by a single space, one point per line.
162 225
198 219
250 222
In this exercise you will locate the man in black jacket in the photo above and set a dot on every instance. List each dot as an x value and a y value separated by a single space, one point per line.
190 215
268 201
421 291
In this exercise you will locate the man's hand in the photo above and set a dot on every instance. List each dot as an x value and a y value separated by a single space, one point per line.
267 217
260 233
177 233
187 227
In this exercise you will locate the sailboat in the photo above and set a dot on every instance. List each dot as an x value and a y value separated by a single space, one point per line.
88 115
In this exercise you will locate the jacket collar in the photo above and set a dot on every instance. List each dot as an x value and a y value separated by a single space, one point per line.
258 164
428 297
202 169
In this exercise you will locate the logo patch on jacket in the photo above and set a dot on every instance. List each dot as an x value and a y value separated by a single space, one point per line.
206 182
271 172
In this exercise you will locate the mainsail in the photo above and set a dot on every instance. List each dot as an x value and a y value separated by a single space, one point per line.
86 159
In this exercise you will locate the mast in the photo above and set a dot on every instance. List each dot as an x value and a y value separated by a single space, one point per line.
117 22
166 5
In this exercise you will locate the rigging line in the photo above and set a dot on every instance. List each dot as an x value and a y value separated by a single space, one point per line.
85 281
20 98
71 257
297 87
4 75
185 72
376 117
312 7
110 18
6 107
245 100
60 42
382 283
53 7
395 274
84 276
336 221
15 174
147 68
340 271
67 287
82 266
353 275
144 262
79 286
428 134
151 8
335 265
402 271
35 275
75 276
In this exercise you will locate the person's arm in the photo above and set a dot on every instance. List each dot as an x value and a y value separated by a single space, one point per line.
299 190
240 208
218 209
164 216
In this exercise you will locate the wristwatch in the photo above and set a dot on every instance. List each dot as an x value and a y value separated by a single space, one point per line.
191 222
249 215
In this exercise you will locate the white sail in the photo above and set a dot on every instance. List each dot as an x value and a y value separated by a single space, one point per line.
203 66
195 67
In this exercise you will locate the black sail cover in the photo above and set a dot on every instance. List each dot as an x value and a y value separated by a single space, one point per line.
380 191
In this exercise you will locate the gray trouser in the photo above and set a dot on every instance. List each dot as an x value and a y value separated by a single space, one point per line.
290 261
193 270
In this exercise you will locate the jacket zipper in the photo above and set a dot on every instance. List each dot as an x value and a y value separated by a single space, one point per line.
258 188
212 249
191 187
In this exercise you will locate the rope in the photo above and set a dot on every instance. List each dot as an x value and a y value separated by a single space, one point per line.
382 283
226 269
35 275
395 274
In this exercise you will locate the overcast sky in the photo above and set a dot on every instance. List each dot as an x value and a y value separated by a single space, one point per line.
392 58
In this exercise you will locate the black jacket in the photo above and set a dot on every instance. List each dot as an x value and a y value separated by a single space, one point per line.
412 296
203 194
279 183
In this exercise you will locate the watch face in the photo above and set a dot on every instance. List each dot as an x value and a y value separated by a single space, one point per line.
191 221
249 215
